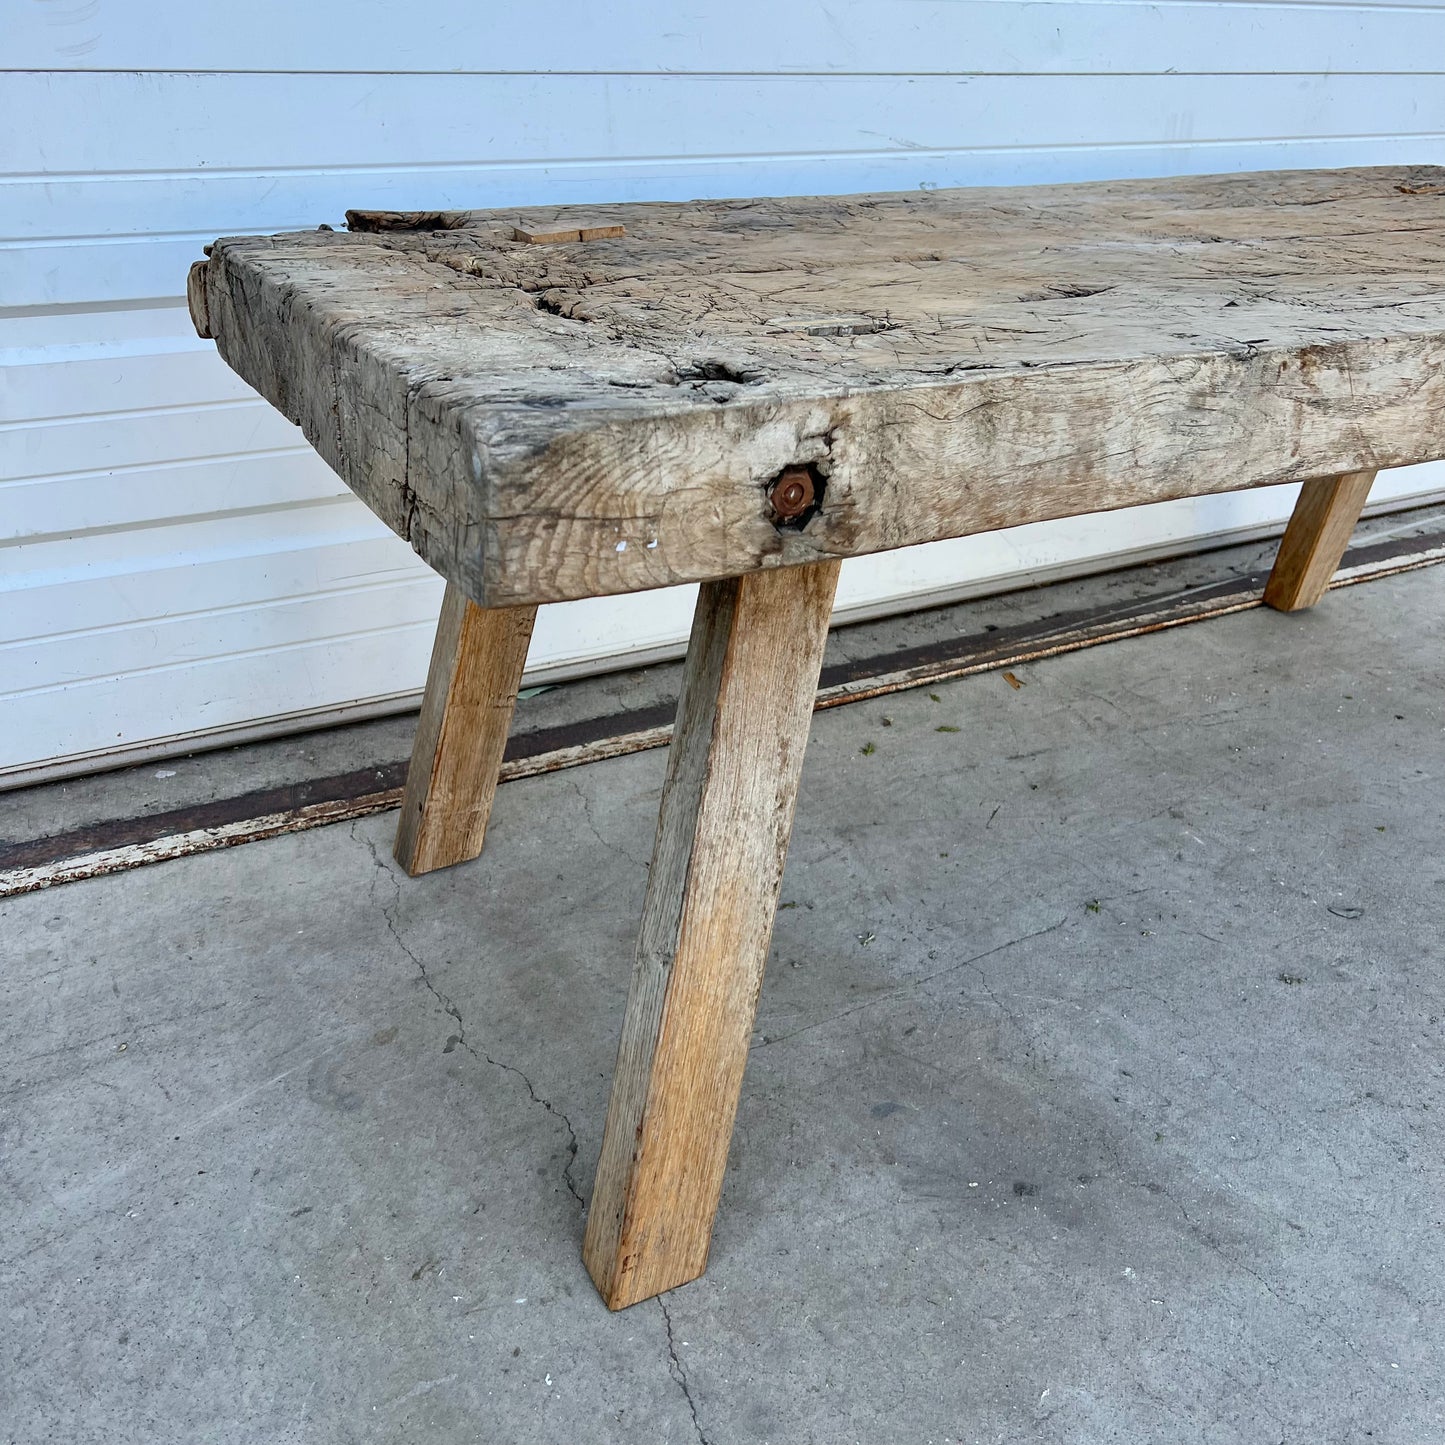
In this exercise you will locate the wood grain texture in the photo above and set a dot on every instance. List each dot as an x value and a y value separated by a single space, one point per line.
196 298
471 690
727 811
1315 540
571 420
555 236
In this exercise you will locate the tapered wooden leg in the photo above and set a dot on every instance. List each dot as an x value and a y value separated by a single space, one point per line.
1315 540
471 689
727 810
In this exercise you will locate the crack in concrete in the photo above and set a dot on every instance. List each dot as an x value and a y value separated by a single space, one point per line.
596 832
567 1176
1316 1319
1202 1234
459 1039
913 983
678 1371
988 988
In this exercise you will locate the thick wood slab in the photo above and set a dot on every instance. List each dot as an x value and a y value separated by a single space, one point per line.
727 811
585 417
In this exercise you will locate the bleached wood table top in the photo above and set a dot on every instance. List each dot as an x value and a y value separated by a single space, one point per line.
550 418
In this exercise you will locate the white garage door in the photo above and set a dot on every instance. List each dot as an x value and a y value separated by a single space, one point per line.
175 564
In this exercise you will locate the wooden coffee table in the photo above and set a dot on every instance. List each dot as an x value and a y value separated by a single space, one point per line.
572 403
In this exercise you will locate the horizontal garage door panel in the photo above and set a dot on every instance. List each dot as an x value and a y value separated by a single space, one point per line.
117 213
270 124
215 694
746 35
130 439
181 639
139 574
64 507
82 382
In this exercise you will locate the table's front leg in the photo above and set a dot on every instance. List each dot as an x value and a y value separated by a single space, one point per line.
471 689
727 810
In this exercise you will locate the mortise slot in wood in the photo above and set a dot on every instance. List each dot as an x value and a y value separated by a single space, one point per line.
382 221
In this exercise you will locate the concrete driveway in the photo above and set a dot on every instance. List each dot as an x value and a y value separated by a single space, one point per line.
1097 1092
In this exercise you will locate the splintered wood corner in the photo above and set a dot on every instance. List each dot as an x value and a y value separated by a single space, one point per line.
577 402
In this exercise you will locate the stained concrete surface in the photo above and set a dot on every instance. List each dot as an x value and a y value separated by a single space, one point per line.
1096 1092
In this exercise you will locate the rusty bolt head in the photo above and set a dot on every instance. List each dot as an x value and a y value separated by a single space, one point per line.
792 493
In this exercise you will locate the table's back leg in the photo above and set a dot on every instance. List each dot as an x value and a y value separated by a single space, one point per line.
727 810
1315 540
471 689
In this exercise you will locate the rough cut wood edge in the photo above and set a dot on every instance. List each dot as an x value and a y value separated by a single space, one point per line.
518 506
722 834
196 299
594 511
1314 542
471 690
537 236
